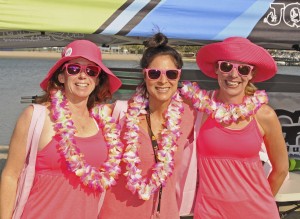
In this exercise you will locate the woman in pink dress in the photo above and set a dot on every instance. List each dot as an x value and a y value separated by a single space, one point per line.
76 142
237 121
155 130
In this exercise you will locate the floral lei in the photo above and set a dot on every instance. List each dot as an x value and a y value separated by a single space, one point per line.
167 146
223 113
93 177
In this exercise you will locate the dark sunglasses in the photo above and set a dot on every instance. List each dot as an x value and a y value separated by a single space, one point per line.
155 74
74 69
242 69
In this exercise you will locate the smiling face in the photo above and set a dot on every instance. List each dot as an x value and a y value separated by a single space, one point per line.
232 84
162 89
81 85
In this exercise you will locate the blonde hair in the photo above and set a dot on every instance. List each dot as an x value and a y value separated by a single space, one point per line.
250 89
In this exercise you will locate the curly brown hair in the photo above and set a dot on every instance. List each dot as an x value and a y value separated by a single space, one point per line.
100 94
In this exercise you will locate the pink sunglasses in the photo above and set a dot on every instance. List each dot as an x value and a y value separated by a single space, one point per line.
155 74
226 67
74 69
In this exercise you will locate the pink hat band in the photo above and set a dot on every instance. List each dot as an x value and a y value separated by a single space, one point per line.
83 49
237 49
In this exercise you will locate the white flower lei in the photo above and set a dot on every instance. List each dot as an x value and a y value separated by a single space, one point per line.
222 112
167 146
93 177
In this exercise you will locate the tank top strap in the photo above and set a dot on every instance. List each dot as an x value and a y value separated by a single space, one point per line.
96 124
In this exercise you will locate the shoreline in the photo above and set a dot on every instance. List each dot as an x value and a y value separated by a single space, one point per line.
57 55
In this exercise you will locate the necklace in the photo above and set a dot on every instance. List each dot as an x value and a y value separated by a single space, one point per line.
93 177
221 112
155 148
145 187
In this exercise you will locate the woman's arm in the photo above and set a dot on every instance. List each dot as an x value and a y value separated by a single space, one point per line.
275 145
14 164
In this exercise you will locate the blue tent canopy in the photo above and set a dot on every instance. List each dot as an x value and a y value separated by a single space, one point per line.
33 23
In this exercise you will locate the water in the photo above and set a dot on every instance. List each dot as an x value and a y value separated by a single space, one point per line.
21 77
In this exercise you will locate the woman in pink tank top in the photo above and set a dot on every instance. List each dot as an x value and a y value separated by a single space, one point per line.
232 184
79 149
155 130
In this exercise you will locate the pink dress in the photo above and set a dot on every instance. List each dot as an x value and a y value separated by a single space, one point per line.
121 203
59 193
232 183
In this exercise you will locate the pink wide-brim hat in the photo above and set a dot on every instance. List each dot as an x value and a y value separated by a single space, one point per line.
83 49
237 49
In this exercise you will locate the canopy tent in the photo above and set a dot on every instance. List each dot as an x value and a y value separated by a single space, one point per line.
35 23
269 23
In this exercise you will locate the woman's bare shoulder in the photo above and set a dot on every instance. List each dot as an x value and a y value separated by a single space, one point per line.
266 113
108 108
26 114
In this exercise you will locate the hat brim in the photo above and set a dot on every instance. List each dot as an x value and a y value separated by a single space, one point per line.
264 65
114 82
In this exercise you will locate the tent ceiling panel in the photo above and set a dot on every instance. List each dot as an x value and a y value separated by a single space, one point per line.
32 23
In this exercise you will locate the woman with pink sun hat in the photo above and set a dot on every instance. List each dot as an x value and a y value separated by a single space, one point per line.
73 143
236 122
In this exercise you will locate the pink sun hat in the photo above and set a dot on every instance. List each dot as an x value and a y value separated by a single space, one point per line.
83 49
237 49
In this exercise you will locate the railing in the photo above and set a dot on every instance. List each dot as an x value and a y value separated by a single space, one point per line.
131 77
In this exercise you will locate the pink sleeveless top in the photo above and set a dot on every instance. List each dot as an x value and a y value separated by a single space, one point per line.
119 202
232 182
59 193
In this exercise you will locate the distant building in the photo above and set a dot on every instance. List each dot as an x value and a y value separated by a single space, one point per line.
105 49
110 49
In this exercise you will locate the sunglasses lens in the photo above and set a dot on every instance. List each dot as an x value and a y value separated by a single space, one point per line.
226 67
153 74
73 69
172 74
92 71
244 69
